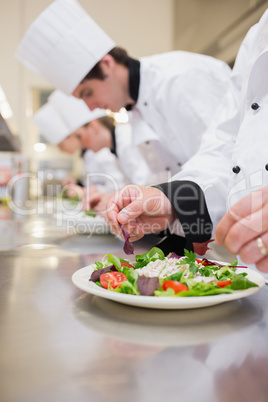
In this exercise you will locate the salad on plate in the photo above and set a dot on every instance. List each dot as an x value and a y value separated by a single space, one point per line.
154 274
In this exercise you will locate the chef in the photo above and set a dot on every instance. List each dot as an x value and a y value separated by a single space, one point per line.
171 97
233 155
109 155
57 129
243 229
106 133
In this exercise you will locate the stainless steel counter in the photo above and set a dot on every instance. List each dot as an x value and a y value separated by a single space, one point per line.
58 343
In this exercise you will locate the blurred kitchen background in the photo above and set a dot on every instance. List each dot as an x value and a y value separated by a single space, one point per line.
143 27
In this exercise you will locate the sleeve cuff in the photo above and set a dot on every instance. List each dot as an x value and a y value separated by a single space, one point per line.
189 203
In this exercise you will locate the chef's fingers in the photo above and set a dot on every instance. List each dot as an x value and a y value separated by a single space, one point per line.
149 202
247 229
262 265
74 190
133 228
240 212
111 217
146 225
122 198
252 252
131 212
90 194
136 235
94 201
118 203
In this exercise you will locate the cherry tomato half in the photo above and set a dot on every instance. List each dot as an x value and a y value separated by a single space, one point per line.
222 284
112 279
175 285
199 261
126 264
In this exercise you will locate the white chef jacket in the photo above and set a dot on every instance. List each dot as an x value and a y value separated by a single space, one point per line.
109 172
102 171
142 164
233 159
162 163
179 94
130 160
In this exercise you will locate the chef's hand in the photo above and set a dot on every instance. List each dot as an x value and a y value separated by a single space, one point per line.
67 181
99 201
73 190
91 197
244 229
141 210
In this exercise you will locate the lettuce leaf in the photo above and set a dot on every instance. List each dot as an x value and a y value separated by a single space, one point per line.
239 282
174 277
90 212
112 259
154 254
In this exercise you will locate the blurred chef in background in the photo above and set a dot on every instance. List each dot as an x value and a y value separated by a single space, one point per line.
171 97
58 131
110 159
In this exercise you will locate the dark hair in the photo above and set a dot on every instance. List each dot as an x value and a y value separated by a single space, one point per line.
121 57
106 121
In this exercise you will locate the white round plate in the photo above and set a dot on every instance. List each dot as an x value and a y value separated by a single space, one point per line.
81 279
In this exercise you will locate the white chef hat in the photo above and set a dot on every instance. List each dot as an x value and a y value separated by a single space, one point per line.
63 44
73 111
50 124
62 115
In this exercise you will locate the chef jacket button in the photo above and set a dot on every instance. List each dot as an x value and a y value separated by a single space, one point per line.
145 103
236 169
255 106
179 164
167 169
266 166
147 142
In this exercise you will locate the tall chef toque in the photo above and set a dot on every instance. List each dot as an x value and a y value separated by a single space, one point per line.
62 115
51 125
63 44
73 111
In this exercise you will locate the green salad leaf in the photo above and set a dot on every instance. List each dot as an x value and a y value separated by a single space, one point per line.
225 272
175 277
74 198
239 282
90 212
112 259
190 258
154 254
99 265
